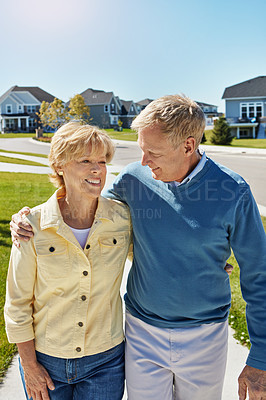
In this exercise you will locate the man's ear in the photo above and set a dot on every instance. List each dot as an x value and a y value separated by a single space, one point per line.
190 146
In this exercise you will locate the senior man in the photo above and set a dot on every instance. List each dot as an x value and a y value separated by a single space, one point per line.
187 214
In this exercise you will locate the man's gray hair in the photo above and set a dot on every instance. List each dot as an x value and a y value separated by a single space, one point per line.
178 117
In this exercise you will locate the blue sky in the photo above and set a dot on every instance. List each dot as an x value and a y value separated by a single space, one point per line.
135 48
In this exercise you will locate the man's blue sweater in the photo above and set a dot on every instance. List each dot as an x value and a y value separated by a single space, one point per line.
182 238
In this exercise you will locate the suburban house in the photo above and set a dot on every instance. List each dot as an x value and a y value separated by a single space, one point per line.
128 112
104 107
245 108
210 111
142 104
18 107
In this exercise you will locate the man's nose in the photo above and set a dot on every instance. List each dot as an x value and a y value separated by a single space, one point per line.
144 159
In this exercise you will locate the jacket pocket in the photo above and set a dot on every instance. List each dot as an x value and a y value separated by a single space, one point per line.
53 259
114 248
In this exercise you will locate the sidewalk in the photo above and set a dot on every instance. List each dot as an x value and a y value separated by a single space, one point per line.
11 388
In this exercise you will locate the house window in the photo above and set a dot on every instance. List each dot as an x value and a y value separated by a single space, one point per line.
20 109
10 123
244 111
106 108
114 120
9 108
243 133
250 110
259 110
31 109
32 123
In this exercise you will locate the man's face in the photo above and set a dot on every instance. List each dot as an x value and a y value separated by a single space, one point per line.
166 163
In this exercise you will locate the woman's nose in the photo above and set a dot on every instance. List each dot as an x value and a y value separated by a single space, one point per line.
95 167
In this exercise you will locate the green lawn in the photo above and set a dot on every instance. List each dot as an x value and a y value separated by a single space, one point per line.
25 154
16 191
22 135
249 143
12 160
128 134
237 317
16 135
253 143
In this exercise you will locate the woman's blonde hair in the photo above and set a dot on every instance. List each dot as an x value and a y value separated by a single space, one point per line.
179 117
70 142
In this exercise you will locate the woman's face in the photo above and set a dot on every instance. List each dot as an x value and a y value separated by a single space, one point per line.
85 175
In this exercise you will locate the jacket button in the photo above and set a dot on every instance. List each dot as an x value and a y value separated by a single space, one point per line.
114 241
51 249
83 298
85 273
80 324
88 246
78 349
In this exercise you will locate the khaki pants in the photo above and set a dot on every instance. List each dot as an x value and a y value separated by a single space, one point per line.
175 364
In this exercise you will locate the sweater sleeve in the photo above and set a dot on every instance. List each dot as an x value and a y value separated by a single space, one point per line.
117 189
248 242
20 293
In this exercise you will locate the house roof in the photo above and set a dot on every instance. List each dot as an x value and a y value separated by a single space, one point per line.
93 96
255 87
127 105
144 102
205 104
37 92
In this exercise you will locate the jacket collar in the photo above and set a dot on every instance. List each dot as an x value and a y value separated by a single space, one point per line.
51 214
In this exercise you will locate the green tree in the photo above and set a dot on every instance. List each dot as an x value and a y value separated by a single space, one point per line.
221 132
43 114
203 140
78 109
53 114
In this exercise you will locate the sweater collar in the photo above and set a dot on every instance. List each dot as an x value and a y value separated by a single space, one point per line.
193 173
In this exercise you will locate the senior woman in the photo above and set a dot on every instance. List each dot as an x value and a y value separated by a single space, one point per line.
63 305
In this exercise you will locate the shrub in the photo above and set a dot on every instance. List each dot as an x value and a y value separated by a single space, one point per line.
221 132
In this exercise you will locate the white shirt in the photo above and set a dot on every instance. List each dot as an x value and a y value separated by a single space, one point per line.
81 235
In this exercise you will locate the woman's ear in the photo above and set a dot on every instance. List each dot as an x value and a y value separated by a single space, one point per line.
59 171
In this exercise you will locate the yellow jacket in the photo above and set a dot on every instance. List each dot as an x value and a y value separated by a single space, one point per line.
64 297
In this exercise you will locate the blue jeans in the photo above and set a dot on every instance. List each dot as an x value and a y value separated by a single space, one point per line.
97 377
